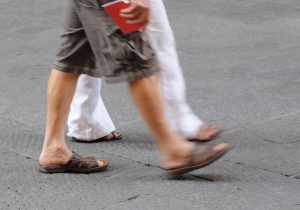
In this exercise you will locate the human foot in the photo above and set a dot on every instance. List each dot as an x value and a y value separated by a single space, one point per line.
199 157
61 160
76 164
206 133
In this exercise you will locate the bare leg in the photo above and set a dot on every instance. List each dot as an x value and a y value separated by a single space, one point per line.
174 149
61 88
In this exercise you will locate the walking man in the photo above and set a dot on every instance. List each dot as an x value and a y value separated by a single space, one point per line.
92 45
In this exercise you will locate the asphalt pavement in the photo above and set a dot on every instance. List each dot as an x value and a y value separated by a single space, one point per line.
241 61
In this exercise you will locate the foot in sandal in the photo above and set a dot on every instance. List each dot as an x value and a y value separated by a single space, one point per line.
198 157
70 162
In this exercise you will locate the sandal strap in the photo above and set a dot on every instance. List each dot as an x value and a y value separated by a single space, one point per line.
79 162
205 151
114 136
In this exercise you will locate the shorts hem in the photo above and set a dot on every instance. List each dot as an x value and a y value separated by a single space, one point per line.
131 77
77 70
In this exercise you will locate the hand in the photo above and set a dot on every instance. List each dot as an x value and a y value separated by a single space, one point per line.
137 12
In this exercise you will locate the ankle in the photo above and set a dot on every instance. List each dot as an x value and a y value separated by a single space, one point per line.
54 153
55 147
176 148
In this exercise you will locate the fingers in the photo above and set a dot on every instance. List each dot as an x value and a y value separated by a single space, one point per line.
143 18
131 9
132 12
137 12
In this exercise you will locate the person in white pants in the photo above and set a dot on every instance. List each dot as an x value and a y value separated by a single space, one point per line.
89 120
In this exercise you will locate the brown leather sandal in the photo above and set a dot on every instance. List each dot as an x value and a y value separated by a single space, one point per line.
113 136
201 156
76 164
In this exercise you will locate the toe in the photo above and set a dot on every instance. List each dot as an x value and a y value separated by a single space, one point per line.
221 147
102 162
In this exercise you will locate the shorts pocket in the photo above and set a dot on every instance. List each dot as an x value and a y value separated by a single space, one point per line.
131 51
93 12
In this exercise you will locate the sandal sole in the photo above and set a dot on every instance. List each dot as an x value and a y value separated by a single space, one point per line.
182 171
48 170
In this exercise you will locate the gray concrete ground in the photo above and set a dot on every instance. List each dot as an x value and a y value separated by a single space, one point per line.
241 60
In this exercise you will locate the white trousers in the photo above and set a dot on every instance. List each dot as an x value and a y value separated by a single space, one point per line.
89 119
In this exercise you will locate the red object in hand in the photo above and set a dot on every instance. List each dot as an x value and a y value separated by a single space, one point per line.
113 10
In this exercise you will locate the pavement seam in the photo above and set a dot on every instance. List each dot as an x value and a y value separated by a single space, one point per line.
155 166
295 174
131 198
255 167
276 142
19 154
201 177
232 131
126 158
112 154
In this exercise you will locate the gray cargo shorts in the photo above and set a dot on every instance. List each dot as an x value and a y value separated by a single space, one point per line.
93 45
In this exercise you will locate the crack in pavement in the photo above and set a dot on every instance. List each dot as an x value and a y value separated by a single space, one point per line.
134 197
253 124
19 154
255 167
112 154
131 198
276 142
135 161
298 176
155 166
202 177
